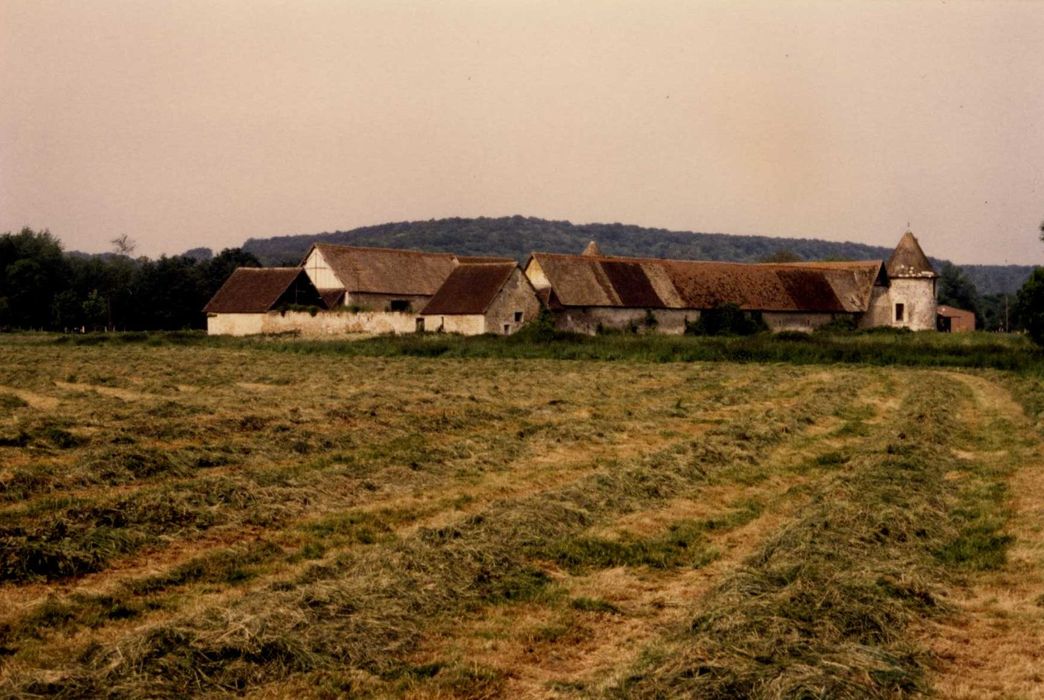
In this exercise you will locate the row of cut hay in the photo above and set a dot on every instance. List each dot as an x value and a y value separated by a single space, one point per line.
823 609
362 612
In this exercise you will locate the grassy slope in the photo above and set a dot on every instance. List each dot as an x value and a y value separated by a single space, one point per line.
270 517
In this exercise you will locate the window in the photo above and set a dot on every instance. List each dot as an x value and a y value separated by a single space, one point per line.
518 317
400 305
420 325
899 309
507 328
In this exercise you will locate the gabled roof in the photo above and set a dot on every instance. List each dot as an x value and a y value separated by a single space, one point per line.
470 288
908 260
389 270
580 280
250 290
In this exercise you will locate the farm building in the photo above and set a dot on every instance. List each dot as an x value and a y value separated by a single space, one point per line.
377 290
381 279
480 298
591 291
251 297
953 320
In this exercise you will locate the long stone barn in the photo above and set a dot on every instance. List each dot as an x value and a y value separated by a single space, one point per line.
591 291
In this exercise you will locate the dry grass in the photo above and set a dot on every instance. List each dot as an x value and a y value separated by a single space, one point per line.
993 646
227 519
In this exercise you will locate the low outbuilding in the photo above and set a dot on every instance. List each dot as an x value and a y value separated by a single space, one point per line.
953 320
477 298
251 294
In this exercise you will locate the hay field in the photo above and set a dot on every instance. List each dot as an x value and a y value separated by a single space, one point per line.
215 519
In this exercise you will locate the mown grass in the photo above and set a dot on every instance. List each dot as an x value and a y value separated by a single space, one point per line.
272 517
822 608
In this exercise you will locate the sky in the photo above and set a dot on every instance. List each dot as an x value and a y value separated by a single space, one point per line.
204 122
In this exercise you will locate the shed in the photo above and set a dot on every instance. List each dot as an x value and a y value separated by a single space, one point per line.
953 320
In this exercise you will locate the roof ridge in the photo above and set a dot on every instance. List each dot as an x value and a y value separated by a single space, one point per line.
408 251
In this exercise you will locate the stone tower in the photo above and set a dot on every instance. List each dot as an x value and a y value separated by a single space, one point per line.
912 291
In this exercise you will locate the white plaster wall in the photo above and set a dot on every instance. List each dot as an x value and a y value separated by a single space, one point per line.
536 275
464 324
320 273
324 323
918 297
234 324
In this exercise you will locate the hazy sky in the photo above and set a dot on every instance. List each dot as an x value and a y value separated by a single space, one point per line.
201 123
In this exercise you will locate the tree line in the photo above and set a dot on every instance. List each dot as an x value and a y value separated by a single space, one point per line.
43 287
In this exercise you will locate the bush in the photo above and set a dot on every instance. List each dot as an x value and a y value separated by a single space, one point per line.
727 319
1029 306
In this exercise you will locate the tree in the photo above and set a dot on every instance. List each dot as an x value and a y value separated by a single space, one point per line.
955 289
1029 306
33 271
215 271
123 245
783 255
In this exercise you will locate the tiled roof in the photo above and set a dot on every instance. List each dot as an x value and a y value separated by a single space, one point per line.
390 270
470 288
582 280
908 260
259 289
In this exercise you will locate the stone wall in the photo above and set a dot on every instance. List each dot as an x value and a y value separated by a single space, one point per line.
917 295
464 324
805 322
588 320
516 296
323 323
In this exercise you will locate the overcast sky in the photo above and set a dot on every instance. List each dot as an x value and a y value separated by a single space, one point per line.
202 123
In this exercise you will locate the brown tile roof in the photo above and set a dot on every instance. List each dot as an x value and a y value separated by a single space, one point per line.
252 290
470 288
908 260
580 280
390 270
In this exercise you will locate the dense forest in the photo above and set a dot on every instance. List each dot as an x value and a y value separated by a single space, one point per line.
517 236
44 287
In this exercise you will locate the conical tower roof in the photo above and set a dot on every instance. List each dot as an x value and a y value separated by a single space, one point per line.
908 260
592 250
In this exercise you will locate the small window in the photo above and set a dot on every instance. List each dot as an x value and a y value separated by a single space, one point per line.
518 317
507 328
400 305
899 311
420 325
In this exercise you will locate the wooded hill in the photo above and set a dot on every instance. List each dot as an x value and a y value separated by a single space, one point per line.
517 236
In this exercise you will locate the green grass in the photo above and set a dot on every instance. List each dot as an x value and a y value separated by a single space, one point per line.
878 347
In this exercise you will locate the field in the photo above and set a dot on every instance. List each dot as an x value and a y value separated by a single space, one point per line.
497 518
